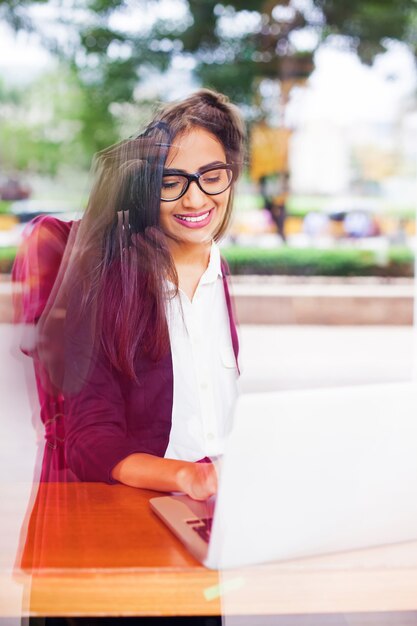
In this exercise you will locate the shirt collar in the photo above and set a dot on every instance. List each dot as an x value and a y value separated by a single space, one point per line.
214 268
212 273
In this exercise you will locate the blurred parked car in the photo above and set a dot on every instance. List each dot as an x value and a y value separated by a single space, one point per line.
14 189
359 224
355 218
25 210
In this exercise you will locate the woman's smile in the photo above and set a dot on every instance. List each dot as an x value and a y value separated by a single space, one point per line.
195 220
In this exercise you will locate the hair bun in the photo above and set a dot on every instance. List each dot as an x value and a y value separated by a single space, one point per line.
212 98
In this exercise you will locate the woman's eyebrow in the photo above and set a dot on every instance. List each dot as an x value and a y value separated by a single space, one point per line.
176 170
213 164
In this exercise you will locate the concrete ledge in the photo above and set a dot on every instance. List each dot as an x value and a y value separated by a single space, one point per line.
324 310
326 303
260 300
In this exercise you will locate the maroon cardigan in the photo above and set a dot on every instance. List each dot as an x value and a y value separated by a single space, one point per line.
111 416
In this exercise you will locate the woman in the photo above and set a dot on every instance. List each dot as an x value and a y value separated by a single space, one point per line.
136 347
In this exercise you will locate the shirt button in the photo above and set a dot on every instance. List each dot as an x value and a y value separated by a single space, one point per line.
204 386
210 436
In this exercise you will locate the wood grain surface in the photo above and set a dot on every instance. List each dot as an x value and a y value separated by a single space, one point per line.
94 549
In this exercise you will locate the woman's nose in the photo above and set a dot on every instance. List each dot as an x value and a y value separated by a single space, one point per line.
194 197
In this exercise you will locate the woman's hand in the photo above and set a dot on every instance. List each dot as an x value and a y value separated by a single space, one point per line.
198 480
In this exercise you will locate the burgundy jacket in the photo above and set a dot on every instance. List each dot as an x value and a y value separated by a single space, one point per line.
111 416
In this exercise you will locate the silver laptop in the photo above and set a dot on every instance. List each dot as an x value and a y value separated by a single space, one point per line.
307 473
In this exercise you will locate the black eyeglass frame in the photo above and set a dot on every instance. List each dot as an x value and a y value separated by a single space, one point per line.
196 179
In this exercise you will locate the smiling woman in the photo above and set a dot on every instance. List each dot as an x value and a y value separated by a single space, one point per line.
136 346
194 207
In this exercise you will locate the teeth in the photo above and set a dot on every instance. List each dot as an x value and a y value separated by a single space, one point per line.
200 218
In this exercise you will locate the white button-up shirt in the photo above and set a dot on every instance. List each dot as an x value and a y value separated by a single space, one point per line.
204 366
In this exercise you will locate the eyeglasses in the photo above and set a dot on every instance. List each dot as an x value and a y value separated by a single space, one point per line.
212 181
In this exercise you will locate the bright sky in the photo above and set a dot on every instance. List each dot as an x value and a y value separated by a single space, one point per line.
344 89
21 55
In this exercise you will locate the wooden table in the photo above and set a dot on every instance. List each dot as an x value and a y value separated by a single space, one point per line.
94 549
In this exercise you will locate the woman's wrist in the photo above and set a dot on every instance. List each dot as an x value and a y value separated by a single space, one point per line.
151 472
197 480
183 476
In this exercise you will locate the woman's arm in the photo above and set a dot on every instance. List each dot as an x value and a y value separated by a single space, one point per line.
99 448
197 480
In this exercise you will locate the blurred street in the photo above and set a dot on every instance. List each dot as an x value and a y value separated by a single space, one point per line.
294 357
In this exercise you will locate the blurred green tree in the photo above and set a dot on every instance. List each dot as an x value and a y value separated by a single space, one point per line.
232 46
40 127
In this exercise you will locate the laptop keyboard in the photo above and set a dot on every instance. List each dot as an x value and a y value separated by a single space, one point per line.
202 526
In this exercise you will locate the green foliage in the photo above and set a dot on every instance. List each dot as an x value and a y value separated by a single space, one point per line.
41 127
301 205
11 96
223 60
4 206
297 262
269 52
7 256
316 262
401 256
369 23
223 79
13 12
28 149
106 63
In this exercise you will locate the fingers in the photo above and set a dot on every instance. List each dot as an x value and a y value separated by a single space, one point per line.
205 483
212 479
198 480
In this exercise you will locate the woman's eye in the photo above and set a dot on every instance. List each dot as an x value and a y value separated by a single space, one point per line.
170 184
213 178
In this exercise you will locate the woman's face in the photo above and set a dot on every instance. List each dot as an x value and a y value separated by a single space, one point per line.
196 216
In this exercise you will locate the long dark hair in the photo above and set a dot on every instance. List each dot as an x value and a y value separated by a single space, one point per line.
119 261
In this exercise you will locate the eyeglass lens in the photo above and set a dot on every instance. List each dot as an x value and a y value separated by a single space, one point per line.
211 182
